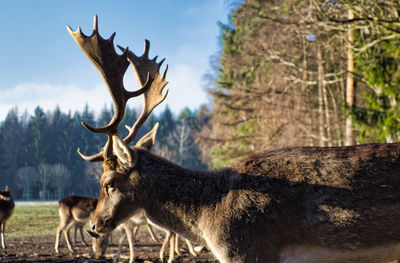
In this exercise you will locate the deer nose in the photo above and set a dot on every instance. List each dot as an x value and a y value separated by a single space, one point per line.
93 227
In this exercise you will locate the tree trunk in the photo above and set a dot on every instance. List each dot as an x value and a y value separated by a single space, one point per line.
350 87
322 84
320 97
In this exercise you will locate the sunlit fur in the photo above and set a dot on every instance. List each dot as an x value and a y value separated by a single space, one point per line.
272 204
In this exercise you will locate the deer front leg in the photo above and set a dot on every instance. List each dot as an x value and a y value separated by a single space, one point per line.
134 231
129 236
151 232
190 247
171 257
176 245
59 229
117 255
82 236
67 238
74 235
3 241
166 240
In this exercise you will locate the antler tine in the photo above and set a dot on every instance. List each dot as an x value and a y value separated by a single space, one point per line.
147 75
142 65
104 153
112 67
95 23
93 158
151 99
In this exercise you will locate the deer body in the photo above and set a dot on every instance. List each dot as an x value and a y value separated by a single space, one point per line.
6 208
278 206
74 211
292 205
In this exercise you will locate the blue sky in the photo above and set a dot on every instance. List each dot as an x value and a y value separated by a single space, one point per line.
40 63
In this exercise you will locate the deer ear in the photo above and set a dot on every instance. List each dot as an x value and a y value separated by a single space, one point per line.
122 151
147 141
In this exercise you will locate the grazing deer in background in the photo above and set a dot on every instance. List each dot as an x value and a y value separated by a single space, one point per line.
6 209
289 205
74 211
130 227
129 230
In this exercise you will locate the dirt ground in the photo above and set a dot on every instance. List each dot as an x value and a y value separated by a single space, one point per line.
41 249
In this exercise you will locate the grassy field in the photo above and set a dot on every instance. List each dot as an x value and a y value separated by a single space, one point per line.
33 219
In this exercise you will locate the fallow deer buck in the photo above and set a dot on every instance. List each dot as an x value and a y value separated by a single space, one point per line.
290 205
6 208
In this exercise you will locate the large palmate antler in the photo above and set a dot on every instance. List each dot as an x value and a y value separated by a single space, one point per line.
153 96
112 67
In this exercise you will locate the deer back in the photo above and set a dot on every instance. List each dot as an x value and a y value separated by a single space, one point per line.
333 196
329 196
78 207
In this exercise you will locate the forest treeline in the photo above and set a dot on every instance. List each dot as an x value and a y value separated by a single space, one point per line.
288 73
38 153
309 73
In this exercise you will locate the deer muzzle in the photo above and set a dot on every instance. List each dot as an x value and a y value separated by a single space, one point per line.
101 226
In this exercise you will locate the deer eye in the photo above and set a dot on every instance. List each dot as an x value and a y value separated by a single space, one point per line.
109 186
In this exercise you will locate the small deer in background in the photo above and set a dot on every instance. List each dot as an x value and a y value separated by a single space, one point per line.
74 211
6 208
126 230
129 229
289 205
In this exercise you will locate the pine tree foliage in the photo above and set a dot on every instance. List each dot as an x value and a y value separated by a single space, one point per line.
378 62
38 152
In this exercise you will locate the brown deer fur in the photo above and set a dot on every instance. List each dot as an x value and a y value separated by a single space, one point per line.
6 209
276 206
74 211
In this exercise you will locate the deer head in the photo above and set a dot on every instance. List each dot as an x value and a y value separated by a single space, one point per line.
119 160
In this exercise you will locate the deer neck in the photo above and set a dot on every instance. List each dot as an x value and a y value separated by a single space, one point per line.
178 197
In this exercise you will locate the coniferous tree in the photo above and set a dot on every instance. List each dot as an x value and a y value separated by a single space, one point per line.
167 125
91 144
377 54
38 135
10 143
105 116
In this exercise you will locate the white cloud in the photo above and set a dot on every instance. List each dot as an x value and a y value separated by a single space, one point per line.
184 91
184 88
27 96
